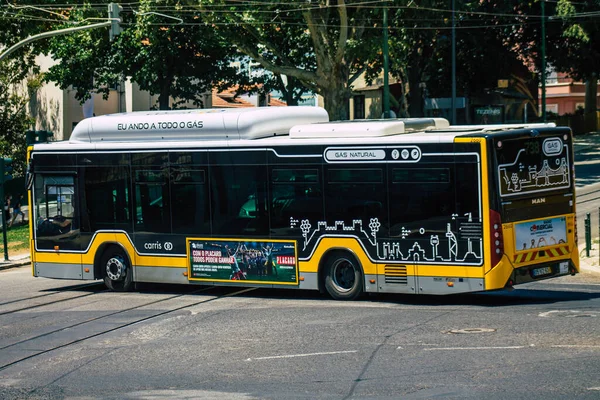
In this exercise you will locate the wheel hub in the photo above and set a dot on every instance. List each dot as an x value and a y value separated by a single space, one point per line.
115 269
344 275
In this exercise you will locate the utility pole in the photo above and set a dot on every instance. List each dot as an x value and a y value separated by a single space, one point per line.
386 56
453 66
543 60
5 175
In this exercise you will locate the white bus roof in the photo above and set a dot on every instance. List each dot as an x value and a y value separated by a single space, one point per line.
272 125
366 128
201 124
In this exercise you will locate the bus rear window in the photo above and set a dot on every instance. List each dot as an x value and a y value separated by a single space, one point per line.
527 166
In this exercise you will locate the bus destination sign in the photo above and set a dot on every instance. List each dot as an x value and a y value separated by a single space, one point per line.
256 261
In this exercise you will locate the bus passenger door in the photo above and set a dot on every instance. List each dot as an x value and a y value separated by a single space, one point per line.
57 236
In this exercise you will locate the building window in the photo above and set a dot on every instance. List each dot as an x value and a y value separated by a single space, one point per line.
359 107
553 108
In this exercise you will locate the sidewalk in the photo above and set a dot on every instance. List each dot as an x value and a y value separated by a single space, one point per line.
592 263
15 261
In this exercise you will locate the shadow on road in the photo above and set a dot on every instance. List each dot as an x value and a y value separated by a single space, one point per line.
500 298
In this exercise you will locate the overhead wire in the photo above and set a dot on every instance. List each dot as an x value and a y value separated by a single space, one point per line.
520 19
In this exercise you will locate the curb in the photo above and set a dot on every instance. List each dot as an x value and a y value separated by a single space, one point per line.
15 264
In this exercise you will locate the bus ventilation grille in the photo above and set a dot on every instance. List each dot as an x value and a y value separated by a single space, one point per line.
395 274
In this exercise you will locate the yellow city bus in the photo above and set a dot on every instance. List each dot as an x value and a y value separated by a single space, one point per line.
280 197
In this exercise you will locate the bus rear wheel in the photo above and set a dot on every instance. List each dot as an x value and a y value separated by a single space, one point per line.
116 270
343 276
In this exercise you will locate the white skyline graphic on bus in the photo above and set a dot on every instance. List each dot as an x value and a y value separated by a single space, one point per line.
397 250
519 177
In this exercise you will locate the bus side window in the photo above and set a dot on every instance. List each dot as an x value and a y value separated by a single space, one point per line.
239 200
422 196
294 193
189 200
467 199
151 200
107 197
356 193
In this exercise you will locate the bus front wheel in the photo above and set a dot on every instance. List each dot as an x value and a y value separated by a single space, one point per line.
343 276
116 270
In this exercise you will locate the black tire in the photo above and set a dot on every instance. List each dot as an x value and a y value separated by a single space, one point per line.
116 270
343 276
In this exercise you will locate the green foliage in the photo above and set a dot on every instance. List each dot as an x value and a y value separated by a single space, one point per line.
17 238
162 57
323 46
579 50
14 120
18 79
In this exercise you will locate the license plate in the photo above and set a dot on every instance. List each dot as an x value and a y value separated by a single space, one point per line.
541 271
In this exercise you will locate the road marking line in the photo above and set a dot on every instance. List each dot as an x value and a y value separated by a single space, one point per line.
583 346
594 388
303 355
477 348
568 313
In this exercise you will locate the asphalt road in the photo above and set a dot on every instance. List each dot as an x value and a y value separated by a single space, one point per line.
61 339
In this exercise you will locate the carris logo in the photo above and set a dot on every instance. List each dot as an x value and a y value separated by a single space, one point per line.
538 201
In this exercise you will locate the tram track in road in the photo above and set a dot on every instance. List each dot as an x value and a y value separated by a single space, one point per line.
47 303
120 326
58 291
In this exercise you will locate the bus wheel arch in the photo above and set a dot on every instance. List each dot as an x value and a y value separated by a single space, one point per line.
341 274
113 265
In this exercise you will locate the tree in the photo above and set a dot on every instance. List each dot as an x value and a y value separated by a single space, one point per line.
19 79
580 58
14 120
323 44
483 52
155 50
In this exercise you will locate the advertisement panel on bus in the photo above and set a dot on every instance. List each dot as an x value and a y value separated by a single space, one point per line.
540 233
259 261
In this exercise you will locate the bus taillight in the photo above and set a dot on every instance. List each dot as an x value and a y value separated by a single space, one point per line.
496 237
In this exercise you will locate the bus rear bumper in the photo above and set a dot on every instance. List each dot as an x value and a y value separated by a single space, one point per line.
539 272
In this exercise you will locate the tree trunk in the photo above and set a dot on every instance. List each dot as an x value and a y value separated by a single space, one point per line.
336 103
164 95
336 94
591 93
415 92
